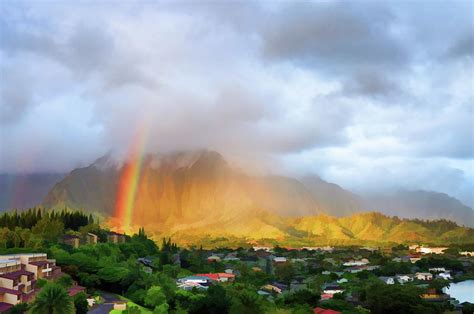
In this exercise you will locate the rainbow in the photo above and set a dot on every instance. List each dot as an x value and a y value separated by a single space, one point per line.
128 183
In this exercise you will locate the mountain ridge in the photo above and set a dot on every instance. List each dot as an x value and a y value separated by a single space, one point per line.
186 186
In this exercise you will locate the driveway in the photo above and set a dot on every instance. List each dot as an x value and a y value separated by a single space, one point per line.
107 306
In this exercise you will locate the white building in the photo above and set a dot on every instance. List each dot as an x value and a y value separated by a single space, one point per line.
424 276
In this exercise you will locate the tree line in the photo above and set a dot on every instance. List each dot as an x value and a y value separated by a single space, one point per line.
28 219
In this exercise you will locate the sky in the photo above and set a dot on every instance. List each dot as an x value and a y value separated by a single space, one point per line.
366 94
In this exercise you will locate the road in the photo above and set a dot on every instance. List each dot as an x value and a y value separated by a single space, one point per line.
107 306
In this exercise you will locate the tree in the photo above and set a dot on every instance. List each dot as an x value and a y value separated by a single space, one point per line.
80 303
50 230
439 284
246 301
155 297
217 301
303 296
388 299
65 280
285 272
20 308
53 298
467 308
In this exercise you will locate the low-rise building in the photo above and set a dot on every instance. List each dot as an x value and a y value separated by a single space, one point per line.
387 280
72 240
220 277
424 276
445 276
91 238
279 260
404 278
431 250
352 263
18 276
115 237
332 289
213 259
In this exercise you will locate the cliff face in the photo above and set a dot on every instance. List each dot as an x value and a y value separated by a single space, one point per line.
198 192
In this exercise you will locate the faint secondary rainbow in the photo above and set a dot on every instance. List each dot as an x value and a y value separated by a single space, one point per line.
129 180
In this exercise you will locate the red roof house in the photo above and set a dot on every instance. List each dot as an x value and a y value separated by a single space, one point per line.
320 310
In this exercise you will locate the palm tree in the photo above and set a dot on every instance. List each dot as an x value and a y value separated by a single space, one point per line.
53 299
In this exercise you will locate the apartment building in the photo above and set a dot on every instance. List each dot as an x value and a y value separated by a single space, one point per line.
114 237
18 276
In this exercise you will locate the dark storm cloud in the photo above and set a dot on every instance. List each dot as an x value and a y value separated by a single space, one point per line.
354 89
464 47
334 36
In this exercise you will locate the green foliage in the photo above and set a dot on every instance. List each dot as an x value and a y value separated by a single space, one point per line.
303 296
49 229
20 308
285 272
337 305
65 280
245 300
53 298
467 308
393 268
394 299
155 297
113 274
439 284
41 283
80 303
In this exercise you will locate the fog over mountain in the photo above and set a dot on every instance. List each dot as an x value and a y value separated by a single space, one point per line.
375 96
189 187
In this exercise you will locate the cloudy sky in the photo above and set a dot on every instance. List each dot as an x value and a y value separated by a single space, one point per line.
365 94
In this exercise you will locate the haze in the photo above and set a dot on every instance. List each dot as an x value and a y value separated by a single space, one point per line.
365 94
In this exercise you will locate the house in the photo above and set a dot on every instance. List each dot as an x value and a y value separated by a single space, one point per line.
328 249
76 289
404 278
213 259
437 270
332 289
279 260
467 253
387 280
188 286
145 262
432 296
431 250
352 263
115 237
342 280
445 276
199 280
72 240
424 276
415 258
220 277
402 259
272 288
91 238
326 296
262 248
320 310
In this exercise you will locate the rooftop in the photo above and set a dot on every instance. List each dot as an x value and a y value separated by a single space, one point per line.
16 274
